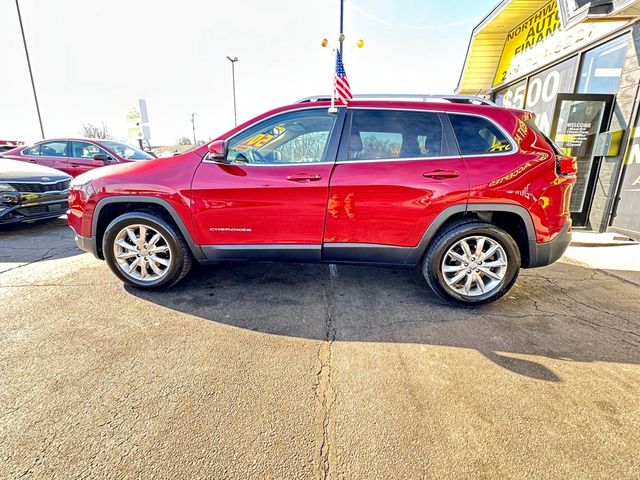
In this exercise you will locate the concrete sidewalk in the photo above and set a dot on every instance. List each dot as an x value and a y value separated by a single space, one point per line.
612 254
594 239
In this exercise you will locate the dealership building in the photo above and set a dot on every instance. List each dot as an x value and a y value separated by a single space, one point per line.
576 65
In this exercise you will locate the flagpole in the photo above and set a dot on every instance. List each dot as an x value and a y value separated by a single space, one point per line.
332 108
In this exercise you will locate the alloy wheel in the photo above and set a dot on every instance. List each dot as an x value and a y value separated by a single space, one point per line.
474 266
142 253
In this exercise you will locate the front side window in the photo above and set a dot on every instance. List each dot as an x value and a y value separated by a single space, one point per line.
86 150
478 136
126 151
295 137
388 134
53 149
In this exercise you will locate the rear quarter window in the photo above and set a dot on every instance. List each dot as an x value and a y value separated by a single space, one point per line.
479 136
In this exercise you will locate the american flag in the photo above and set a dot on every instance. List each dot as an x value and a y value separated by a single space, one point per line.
343 90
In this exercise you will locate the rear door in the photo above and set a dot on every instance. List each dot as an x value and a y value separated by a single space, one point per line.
396 171
50 154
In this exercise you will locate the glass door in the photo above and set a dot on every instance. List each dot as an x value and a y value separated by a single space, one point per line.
578 120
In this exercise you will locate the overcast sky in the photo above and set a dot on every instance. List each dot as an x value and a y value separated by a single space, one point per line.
92 59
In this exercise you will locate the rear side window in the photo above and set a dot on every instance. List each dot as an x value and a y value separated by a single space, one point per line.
54 149
387 134
478 136
35 150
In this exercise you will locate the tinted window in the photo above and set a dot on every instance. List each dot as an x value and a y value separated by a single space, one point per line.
385 134
86 150
296 137
478 136
53 149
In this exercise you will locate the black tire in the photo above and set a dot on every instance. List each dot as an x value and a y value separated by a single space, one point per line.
451 234
181 258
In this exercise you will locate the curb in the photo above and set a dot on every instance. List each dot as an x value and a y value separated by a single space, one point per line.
601 244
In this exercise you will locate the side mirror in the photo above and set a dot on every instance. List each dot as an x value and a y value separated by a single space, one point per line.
218 150
103 158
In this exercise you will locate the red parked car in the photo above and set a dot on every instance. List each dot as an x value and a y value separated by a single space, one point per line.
6 145
75 156
470 192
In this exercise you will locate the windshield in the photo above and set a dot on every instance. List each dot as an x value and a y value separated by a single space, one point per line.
127 151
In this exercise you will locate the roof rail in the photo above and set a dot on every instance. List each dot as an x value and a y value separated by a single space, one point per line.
404 96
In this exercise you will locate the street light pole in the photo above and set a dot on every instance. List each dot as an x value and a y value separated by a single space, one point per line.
193 125
33 85
233 79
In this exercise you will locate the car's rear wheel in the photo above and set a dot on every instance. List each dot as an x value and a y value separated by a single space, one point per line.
471 263
146 251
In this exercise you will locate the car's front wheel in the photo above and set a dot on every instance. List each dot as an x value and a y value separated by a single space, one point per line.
146 251
472 262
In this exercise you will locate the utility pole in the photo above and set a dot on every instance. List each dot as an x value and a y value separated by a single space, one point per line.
33 85
233 80
193 125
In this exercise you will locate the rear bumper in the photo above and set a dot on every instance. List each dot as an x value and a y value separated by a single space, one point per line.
543 254
88 244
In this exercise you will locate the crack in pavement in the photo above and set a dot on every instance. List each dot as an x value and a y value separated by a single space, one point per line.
325 392
47 255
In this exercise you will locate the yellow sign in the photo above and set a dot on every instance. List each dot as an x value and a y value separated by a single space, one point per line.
261 139
534 30
540 41
134 119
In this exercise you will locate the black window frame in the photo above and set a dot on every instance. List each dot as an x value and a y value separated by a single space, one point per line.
449 146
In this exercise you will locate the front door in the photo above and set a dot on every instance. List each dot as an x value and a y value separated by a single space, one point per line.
396 171
270 193
578 120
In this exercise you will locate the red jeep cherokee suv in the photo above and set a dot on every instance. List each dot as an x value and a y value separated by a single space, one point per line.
470 191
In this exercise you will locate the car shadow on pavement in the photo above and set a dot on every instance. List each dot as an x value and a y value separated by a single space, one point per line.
30 242
561 312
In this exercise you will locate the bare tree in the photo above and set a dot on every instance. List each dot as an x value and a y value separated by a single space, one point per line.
90 130
184 141
305 148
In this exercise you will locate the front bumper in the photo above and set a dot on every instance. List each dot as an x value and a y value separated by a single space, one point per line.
33 210
88 244
543 254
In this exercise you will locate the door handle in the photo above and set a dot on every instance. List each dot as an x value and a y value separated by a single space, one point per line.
441 174
304 177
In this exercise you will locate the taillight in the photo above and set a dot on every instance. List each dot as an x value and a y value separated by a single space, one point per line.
567 165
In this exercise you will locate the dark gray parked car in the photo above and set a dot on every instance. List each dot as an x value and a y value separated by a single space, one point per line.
31 192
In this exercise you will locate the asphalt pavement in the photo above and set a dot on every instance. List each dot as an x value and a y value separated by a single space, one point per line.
309 371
